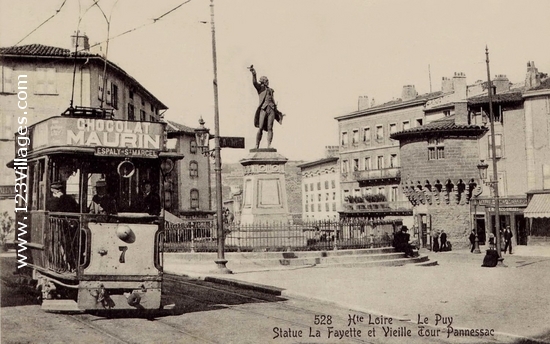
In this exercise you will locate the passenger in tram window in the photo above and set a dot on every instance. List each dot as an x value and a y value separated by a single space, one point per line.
60 202
102 202
151 201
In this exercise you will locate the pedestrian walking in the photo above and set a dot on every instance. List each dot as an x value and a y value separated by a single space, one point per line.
473 240
508 239
443 239
435 246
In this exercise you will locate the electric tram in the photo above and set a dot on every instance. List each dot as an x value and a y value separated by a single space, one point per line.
93 210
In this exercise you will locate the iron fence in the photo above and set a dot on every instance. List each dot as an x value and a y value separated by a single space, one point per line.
201 236
62 243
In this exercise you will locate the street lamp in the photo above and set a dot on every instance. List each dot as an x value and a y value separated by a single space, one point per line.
474 193
494 182
220 261
202 138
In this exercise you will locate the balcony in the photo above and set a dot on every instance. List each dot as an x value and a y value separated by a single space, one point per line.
374 209
374 177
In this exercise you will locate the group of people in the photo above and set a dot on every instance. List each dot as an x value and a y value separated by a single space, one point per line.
102 202
439 242
507 236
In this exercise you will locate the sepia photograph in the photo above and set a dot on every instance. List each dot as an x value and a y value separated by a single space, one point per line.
274 171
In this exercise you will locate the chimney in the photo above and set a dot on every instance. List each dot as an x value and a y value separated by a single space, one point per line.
461 112
363 103
459 85
331 151
532 79
408 93
501 83
446 85
83 44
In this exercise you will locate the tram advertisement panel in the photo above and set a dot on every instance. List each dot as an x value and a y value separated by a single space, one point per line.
108 137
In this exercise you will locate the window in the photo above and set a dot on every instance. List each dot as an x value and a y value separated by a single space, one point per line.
357 192
345 166
327 207
366 135
131 116
380 162
419 122
142 116
131 94
313 208
319 197
436 150
393 195
194 198
379 133
318 185
355 165
142 101
498 146
406 125
311 187
355 138
334 196
326 197
306 208
100 88
393 160
7 80
319 207
344 138
45 81
393 128
193 169
333 206
193 147
326 184
382 190
333 184
367 163
114 96
306 187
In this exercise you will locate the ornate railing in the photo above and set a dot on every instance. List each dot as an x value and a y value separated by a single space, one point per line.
307 236
62 243
385 173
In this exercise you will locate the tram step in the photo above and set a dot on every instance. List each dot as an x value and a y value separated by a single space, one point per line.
61 306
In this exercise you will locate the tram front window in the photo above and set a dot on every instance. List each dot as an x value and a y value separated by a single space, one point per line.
118 186
64 187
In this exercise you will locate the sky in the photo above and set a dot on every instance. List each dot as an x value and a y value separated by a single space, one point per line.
319 55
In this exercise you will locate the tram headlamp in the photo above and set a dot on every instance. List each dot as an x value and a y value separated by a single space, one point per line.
125 234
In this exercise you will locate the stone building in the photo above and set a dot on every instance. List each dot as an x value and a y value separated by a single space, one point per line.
189 186
440 160
39 81
321 188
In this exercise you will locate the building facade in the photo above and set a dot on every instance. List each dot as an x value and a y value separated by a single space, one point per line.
321 189
188 186
38 82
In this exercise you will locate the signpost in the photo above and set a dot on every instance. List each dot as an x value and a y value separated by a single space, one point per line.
231 142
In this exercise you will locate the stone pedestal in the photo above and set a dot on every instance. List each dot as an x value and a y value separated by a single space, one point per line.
264 197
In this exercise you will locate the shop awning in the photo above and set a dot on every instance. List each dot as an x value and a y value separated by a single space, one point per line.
539 206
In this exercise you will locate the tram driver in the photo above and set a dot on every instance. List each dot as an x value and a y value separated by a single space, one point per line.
102 202
61 202
150 202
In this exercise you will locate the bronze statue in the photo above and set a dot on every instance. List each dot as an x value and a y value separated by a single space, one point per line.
267 111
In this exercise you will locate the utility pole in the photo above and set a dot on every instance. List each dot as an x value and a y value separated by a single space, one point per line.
494 182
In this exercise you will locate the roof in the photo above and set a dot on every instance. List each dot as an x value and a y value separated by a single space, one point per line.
318 162
173 127
444 125
45 51
391 105
501 98
539 206
545 84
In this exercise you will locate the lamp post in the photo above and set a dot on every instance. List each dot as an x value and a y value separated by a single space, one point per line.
476 202
220 261
494 157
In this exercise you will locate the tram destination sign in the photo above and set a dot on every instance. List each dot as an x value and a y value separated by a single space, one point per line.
126 152
231 142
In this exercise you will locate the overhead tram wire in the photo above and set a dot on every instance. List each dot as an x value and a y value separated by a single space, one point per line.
44 22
